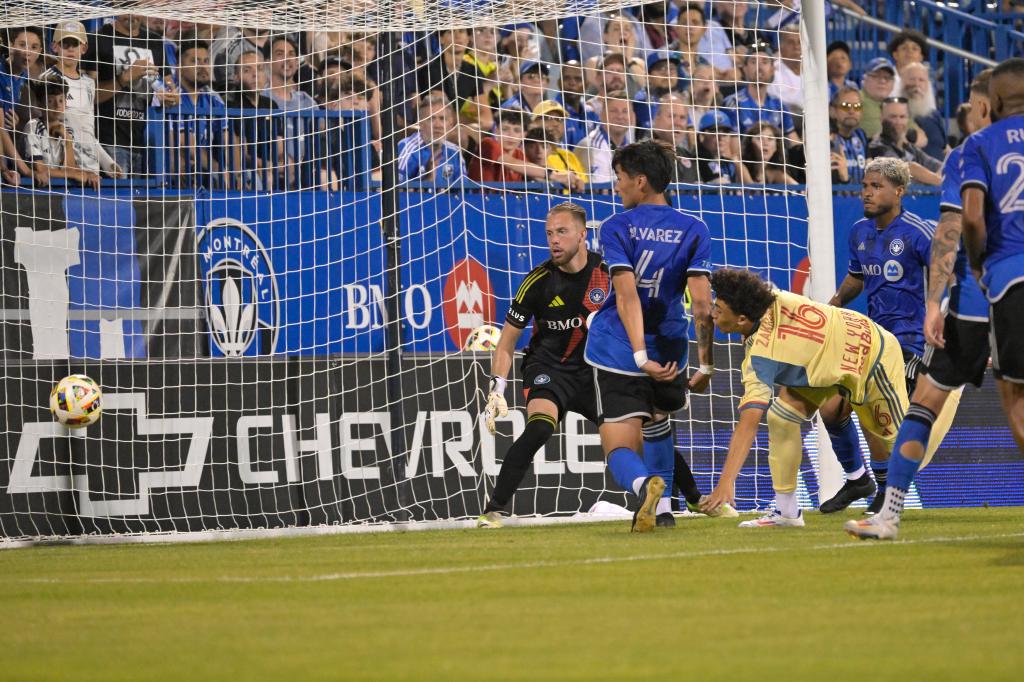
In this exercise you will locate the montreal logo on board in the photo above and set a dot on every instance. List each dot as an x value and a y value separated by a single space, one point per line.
468 300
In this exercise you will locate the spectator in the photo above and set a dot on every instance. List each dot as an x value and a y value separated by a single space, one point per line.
24 61
787 85
662 78
332 70
764 156
226 54
752 104
284 62
478 86
201 130
671 125
619 37
905 48
489 166
838 64
615 130
520 42
879 79
784 13
441 71
892 141
25 48
128 65
579 117
920 94
592 43
262 149
849 142
704 94
69 44
427 155
532 76
551 117
699 39
611 78
718 153
732 15
561 165
251 72
49 142
655 23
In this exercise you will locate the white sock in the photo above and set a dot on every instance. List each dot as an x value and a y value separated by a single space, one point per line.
664 505
893 506
856 474
638 483
786 504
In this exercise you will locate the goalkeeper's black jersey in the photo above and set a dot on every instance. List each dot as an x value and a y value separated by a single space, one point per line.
559 303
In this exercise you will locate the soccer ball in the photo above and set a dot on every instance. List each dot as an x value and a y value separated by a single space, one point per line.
76 401
483 339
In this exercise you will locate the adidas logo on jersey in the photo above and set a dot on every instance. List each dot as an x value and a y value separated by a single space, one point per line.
556 302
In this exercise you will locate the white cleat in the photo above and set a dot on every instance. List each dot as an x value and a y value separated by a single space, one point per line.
774 519
873 528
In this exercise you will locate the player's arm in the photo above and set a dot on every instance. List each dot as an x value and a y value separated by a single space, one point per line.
974 227
627 304
519 314
739 448
944 247
700 307
849 289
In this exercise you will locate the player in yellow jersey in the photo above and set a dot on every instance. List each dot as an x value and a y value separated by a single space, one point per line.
811 351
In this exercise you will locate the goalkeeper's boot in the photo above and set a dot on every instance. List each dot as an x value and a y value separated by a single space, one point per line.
774 519
877 503
878 527
851 491
645 517
723 511
491 519
665 520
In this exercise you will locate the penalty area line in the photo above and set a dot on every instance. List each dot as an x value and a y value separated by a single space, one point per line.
510 566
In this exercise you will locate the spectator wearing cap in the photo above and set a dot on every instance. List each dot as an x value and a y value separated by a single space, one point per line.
284 63
427 155
615 130
849 142
718 153
697 43
878 82
552 118
477 83
662 78
906 47
441 71
612 77
532 76
49 143
924 112
787 85
503 158
751 104
894 141
562 165
671 125
579 117
70 44
838 64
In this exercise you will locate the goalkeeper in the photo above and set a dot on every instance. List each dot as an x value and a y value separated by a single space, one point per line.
558 295
813 352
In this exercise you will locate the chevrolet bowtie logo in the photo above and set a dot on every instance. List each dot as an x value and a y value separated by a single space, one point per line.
556 302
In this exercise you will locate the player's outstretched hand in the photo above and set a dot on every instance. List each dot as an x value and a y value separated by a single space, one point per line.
699 382
496 407
934 323
660 372
724 493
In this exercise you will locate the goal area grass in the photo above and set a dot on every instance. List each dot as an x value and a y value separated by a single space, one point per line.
703 601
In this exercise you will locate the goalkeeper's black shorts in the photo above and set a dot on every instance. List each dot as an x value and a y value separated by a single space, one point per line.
570 388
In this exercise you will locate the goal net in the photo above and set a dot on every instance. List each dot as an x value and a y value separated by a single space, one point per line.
267 230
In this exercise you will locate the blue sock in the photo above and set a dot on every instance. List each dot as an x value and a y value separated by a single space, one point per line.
659 453
916 427
626 466
846 444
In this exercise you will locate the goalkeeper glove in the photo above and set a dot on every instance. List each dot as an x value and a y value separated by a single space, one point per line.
496 405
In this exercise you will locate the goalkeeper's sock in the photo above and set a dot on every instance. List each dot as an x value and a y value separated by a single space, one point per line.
846 445
659 455
539 428
683 479
912 440
627 469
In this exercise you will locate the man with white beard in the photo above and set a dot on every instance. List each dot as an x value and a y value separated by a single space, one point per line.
920 93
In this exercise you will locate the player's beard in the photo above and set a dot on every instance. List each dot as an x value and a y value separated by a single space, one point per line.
877 211
565 257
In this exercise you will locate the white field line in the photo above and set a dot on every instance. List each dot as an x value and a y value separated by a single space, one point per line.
511 566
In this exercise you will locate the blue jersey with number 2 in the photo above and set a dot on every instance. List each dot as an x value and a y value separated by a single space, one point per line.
966 299
993 161
662 246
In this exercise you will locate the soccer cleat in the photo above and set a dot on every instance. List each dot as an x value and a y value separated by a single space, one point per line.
877 503
774 519
645 517
851 491
724 511
491 519
875 528
665 520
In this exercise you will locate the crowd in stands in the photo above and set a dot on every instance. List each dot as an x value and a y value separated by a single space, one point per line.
718 81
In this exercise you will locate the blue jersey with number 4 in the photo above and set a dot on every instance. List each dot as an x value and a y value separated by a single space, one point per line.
993 161
662 246
966 299
894 263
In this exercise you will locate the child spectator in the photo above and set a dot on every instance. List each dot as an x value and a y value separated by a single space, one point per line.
49 142
532 76
24 61
838 64
427 155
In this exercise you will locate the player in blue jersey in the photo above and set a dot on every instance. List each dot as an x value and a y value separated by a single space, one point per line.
639 338
993 224
958 344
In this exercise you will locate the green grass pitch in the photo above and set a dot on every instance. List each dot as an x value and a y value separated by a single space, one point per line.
705 601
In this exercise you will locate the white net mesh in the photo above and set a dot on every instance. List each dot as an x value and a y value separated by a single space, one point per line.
269 248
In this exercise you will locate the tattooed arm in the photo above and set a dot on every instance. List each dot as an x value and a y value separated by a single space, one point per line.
700 307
